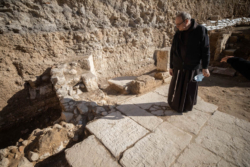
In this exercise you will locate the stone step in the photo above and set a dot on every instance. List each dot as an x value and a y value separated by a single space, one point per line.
229 52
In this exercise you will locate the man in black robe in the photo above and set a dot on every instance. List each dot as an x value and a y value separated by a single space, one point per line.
190 48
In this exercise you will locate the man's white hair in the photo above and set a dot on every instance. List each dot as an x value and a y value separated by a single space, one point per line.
184 15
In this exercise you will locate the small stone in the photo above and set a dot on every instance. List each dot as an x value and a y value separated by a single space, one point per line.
75 137
78 118
82 108
33 156
99 110
25 142
67 116
73 71
21 149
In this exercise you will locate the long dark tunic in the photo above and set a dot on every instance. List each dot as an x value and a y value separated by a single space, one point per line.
183 89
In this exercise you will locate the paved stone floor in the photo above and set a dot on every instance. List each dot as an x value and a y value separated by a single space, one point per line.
144 131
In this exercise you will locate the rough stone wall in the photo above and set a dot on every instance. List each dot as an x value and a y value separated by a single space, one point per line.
122 35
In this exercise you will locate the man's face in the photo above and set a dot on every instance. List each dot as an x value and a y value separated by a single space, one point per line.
180 24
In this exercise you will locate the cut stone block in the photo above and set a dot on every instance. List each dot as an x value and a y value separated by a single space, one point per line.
233 146
163 59
160 148
147 100
195 155
161 75
143 84
90 152
117 132
90 81
141 116
191 121
88 63
205 107
224 71
121 83
229 52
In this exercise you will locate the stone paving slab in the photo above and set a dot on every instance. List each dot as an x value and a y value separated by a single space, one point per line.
195 155
117 132
90 152
140 116
158 149
162 90
191 121
147 100
234 147
204 106
230 124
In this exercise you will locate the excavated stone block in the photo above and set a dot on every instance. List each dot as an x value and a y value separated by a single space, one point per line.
161 75
121 84
88 63
90 81
117 132
163 59
143 83
160 148
90 152
224 71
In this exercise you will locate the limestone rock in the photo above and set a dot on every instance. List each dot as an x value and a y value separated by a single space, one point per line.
4 162
142 84
163 59
82 108
33 156
90 81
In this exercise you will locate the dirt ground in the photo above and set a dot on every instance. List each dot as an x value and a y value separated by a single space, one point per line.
230 94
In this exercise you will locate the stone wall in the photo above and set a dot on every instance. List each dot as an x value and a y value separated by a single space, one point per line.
122 36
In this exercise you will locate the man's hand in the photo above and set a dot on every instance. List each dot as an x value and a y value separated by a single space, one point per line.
205 72
224 59
171 71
